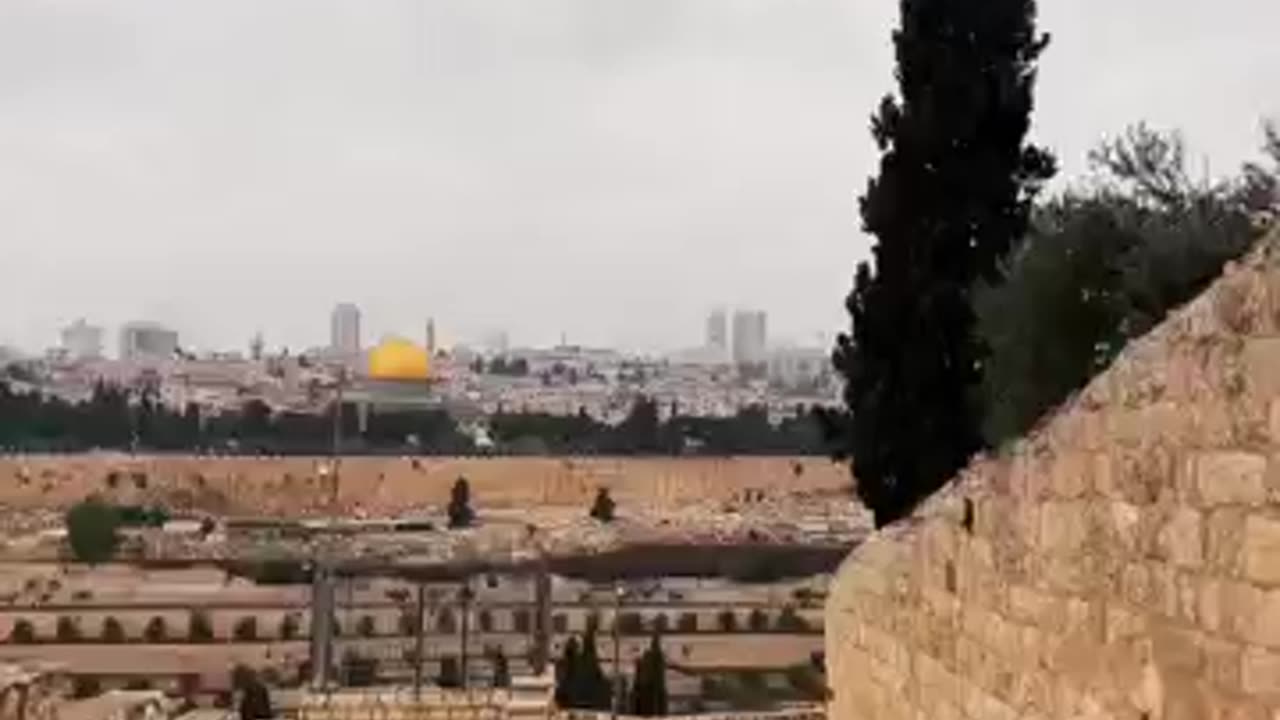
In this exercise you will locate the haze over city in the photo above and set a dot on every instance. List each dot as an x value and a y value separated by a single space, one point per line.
606 170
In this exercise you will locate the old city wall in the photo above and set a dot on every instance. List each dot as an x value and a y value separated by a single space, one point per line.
292 485
1121 562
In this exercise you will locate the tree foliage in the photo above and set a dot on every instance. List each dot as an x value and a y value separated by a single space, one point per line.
92 530
460 513
953 196
1106 262
128 419
580 680
649 686
602 508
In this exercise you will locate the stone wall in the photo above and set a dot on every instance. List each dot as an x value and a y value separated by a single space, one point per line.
1123 561
381 484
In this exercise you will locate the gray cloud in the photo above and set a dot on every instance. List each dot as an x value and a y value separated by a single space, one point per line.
607 168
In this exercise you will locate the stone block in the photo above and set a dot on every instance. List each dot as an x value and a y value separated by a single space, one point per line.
1239 605
1224 541
1173 648
1181 540
1222 663
1063 526
1071 475
1231 478
1267 621
1260 672
1261 548
1260 359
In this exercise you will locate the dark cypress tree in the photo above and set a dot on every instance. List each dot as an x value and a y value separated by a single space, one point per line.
597 694
953 197
567 684
649 690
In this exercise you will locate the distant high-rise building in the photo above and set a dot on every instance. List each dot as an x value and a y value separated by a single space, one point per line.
147 341
255 347
717 331
82 341
344 330
431 337
750 339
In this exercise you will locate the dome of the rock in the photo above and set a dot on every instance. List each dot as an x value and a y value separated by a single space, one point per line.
399 359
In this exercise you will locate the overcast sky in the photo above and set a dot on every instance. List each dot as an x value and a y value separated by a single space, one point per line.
611 169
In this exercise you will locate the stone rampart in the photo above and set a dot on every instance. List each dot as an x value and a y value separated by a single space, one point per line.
1123 561
389 484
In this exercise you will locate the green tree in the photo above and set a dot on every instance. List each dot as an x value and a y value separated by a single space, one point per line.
1103 264
649 688
953 196
92 531
112 631
603 507
460 513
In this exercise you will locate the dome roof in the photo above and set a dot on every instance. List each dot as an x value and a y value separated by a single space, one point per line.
399 359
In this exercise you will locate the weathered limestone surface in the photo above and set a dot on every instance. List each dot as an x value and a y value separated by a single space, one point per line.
296 485
1123 561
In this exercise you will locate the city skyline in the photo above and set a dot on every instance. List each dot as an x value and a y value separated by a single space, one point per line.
347 334
586 168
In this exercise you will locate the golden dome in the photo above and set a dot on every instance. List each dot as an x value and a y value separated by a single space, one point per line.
399 359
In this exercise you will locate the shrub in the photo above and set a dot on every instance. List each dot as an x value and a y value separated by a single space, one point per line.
688 623
157 631
460 513
112 631
85 686
790 621
246 629
68 630
289 625
728 621
23 632
199 628
93 531
603 507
